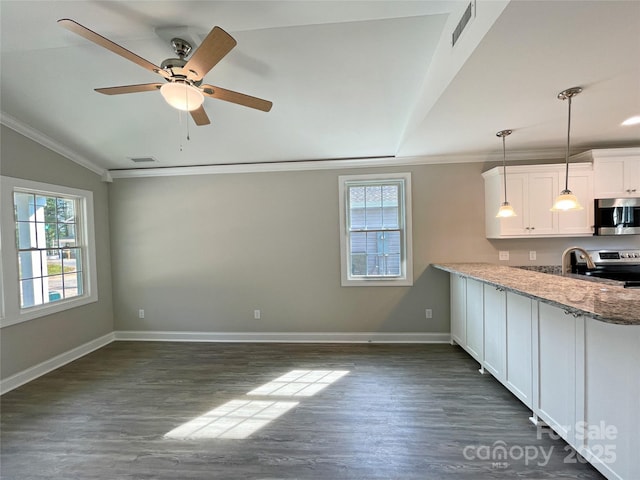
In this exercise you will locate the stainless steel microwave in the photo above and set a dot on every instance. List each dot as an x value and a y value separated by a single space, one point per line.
617 216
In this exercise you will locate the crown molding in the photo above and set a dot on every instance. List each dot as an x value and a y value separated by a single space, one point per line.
48 142
335 164
262 167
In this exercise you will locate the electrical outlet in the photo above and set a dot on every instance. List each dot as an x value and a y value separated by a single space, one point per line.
532 255
428 313
257 314
503 255
141 313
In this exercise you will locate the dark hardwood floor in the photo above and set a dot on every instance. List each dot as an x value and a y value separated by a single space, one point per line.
402 412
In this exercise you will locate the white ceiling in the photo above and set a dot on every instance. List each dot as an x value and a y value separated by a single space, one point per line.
348 79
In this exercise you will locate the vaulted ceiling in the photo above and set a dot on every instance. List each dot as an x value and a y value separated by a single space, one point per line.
348 79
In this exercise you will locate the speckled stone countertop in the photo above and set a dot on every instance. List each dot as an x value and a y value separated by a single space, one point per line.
608 302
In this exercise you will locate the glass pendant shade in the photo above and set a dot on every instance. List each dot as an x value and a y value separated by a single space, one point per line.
566 201
506 211
182 96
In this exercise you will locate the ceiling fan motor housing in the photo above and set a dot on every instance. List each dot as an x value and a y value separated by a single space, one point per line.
175 66
181 47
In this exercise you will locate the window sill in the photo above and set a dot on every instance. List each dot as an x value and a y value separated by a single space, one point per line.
48 309
374 282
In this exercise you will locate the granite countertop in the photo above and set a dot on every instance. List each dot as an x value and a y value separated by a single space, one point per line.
608 302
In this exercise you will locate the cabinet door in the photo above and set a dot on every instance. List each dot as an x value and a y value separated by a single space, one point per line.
612 393
616 177
475 320
495 331
519 367
632 172
517 195
579 222
458 309
557 369
543 189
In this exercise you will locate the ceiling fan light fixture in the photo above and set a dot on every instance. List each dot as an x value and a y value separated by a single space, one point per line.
182 96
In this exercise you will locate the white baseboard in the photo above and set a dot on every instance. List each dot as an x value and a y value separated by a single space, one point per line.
20 378
58 361
283 337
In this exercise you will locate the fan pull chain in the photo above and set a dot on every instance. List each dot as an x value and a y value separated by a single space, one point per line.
180 123
186 101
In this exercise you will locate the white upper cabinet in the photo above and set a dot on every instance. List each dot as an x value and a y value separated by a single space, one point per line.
616 172
531 191
578 222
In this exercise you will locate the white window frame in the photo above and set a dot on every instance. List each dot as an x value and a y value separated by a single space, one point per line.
406 276
10 311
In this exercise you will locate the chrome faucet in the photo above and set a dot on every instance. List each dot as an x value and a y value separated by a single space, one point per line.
566 265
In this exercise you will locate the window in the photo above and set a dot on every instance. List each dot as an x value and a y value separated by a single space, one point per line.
48 249
375 230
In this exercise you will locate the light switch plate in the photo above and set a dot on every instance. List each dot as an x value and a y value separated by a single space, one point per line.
503 255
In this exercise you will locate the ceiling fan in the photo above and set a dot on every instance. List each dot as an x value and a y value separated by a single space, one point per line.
183 88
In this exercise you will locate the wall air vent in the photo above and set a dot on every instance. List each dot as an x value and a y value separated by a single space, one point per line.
464 21
143 159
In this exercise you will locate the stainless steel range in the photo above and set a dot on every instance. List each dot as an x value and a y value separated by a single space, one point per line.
621 265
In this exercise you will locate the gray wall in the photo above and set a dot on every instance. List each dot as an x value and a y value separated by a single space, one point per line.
200 253
29 343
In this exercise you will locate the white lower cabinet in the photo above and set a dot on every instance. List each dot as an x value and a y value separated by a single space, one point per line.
495 331
578 375
518 373
467 325
556 355
609 430
475 321
458 309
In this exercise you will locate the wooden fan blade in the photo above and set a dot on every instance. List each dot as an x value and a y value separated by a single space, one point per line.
235 97
98 39
200 116
213 49
143 87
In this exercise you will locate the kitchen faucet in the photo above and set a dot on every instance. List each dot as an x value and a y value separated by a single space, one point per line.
566 265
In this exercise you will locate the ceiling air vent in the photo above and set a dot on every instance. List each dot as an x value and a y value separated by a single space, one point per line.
464 21
143 159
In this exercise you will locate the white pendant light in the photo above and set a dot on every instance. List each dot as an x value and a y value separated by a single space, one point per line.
182 96
505 210
567 201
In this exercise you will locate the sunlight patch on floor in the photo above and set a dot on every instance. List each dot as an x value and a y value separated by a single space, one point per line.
240 418
299 383
235 419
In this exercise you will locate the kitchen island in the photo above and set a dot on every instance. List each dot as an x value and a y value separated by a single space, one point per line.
606 301
569 349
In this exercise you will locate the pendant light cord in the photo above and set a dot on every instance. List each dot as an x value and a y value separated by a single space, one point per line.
504 167
566 157
502 134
